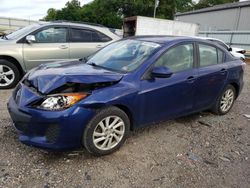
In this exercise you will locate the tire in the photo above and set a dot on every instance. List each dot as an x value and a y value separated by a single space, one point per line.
9 74
109 139
226 100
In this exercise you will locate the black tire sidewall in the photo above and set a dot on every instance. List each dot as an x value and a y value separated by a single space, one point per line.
87 139
15 70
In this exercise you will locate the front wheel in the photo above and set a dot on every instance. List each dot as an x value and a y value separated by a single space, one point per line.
106 132
225 102
9 74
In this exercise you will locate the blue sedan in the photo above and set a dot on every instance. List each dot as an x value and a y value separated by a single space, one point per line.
96 101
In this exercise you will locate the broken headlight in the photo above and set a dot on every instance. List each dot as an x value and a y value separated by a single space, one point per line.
60 101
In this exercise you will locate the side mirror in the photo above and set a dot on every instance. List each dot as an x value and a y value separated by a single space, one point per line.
161 72
230 49
30 39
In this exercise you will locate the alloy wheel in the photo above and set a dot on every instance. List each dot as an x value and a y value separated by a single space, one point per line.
108 133
227 100
7 75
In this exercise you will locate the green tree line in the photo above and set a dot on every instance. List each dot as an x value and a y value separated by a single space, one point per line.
111 12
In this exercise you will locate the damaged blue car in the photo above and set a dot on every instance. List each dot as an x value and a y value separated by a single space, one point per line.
94 102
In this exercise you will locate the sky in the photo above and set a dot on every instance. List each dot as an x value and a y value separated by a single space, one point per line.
33 9
30 9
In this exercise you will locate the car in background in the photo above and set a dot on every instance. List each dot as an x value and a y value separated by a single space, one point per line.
236 52
42 43
130 83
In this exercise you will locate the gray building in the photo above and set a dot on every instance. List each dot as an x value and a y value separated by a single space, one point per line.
225 17
229 22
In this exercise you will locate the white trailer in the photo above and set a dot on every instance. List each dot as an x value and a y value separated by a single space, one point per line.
139 25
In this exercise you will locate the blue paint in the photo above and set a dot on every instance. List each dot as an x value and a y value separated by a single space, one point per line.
148 99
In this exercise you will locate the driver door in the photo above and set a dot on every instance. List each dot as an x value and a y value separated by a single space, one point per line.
164 98
51 45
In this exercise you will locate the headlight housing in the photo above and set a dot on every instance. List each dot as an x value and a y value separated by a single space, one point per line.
60 101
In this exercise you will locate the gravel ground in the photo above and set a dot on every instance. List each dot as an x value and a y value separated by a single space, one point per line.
201 150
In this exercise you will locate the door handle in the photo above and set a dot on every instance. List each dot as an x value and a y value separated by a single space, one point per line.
63 47
223 71
190 79
99 46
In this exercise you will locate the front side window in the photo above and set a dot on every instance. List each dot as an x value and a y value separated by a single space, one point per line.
209 55
84 35
178 58
52 35
124 56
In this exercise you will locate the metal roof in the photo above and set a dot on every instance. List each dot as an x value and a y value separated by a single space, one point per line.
217 8
164 39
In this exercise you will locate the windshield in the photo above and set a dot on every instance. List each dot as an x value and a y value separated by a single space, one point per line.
19 33
123 56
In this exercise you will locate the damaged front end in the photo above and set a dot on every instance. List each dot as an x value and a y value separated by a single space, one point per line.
66 95
48 106
61 85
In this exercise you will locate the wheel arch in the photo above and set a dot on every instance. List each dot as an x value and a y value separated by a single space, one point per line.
122 107
236 87
129 114
14 61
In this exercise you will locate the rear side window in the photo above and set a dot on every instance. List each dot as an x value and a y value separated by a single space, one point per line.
209 55
84 35
221 44
80 35
100 37
178 58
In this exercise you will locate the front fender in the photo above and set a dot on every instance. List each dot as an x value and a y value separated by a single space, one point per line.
14 51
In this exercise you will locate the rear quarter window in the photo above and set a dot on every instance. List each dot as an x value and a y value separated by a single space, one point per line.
210 55
220 56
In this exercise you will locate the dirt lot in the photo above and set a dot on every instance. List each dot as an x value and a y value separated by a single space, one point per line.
201 150
248 61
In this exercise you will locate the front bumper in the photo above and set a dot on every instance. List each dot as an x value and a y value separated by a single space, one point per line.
52 130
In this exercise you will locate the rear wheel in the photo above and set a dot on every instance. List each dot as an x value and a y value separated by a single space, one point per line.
9 74
106 132
225 102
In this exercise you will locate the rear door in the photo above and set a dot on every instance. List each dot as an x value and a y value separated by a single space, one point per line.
51 45
85 41
212 74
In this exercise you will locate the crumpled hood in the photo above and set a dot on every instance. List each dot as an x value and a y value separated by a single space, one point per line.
49 77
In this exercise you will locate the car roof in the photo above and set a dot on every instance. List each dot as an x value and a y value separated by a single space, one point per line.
79 24
209 38
163 39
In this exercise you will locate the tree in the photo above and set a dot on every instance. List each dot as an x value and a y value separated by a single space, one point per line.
184 6
71 12
209 3
111 12
52 14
